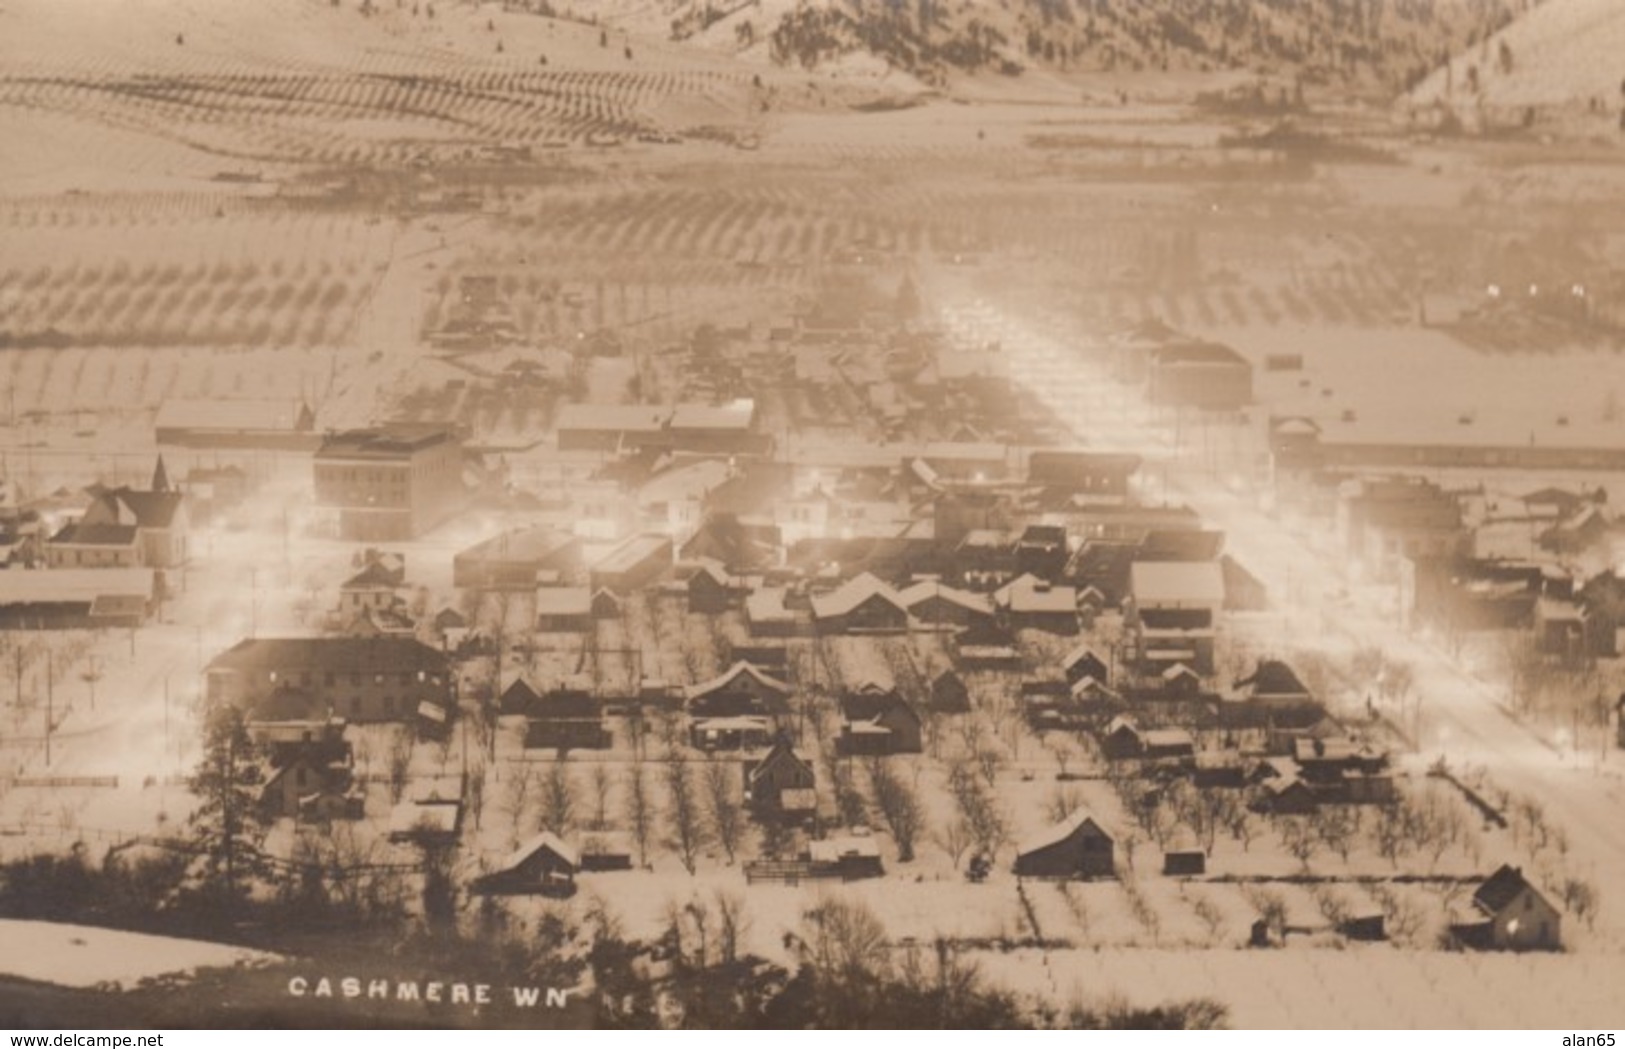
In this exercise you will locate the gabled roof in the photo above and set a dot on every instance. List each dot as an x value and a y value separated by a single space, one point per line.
1272 677
376 574
727 679
1060 832
1501 889
1078 655
545 841
918 593
851 594
1179 670
781 751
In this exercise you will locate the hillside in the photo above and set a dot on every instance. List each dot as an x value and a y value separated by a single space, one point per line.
1561 53
1377 44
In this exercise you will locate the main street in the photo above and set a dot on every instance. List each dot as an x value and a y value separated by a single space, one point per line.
1462 718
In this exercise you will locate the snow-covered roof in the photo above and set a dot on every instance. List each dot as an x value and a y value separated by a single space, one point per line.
918 593
853 593
833 850
1060 832
634 418
736 415
740 723
728 677
1028 593
73 585
767 605
545 840
1176 582
411 817
1167 737
691 481
563 601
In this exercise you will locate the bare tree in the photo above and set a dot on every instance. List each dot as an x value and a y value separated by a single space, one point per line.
1337 826
639 811
1298 837
558 800
601 785
954 839
726 812
516 796
400 761
683 813
899 807
733 923
476 792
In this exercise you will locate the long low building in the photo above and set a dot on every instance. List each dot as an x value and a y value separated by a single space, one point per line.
74 598
256 424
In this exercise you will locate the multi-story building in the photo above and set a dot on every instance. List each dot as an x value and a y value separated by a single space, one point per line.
391 482
359 679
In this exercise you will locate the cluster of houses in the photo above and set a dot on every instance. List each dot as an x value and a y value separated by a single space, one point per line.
1544 563
98 557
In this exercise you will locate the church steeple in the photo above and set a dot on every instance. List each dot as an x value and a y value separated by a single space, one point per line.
160 477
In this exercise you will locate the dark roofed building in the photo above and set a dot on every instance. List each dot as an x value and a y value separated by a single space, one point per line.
1509 913
1076 847
358 679
516 559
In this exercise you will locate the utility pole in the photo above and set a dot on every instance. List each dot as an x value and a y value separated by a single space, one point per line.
50 714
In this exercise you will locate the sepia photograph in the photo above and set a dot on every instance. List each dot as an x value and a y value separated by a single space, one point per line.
812 514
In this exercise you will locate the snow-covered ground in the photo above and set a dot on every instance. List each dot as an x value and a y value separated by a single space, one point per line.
87 956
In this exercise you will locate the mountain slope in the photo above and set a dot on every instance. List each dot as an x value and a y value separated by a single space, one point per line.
1385 44
1562 52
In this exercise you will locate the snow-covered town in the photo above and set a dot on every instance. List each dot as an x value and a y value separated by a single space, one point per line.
708 524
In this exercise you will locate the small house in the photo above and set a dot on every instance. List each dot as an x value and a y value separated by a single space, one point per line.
949 694
544 865
780 784
566 719
1030 603
863 604
935 604
1184 863
887 724
518 696
1076 847
1508 913
1082 662
738 732
741 690
711 591
848 857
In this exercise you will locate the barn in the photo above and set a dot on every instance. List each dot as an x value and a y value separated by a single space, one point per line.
1076 847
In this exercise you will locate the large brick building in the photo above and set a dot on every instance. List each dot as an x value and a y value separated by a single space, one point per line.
359 679
391 482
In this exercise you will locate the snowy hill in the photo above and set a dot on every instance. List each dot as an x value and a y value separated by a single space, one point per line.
1559 53
1357 42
